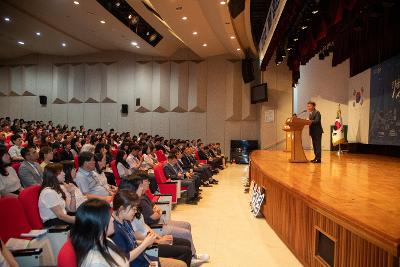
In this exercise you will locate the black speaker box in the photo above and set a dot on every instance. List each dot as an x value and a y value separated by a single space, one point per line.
236 7
43 100
124 109
137 102
247 70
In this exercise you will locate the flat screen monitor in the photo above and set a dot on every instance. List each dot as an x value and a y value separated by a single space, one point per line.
259 93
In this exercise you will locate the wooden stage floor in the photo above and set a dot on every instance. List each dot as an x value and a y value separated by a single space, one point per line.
360 192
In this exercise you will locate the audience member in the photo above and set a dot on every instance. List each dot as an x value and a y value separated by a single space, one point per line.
46 156
15 150
30 172
10 184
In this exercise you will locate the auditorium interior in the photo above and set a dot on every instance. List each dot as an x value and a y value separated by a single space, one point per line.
183 133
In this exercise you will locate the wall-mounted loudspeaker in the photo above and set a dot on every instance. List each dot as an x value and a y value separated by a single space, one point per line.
247 70
124 109
43 100
138 102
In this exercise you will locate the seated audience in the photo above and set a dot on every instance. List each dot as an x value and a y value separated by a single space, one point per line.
46 156
124 209
10 184
168 246
87 181
149 156
135 159
123 167
100 174
90 236
53 203
30 172
15 150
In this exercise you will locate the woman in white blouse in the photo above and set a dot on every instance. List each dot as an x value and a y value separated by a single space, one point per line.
101 176
123 167
56 197
10 184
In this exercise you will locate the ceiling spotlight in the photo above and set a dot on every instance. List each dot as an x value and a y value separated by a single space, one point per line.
304 27
233 37
38 33
194 33
21 43
184 18
222 2
204 44
134 19
238 49
295 39
152 37
134 43
76 2
7 19
137 46
314 11
63 44
289 48
117 4
102 22
130 16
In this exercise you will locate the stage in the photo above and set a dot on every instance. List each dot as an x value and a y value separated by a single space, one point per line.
352 199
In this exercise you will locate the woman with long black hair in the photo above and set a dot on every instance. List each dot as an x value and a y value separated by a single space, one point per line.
123 167
89 236
10 184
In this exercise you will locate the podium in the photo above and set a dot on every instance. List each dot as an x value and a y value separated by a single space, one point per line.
293 128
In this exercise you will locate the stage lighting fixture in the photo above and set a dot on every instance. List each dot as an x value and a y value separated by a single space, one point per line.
134 20
152 37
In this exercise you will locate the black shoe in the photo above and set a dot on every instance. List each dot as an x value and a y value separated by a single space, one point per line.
191 202
207 185
313 160
316 161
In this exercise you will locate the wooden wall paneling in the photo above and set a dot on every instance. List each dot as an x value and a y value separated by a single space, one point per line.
144 76
161 86
60 84
109 76
5 77
179 86
197 94
76 84
233 87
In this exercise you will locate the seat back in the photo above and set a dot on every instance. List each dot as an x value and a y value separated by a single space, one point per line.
13 221
160 156
66 256
29 199
159 173
197 155
114 152
76 162
115 172
15 166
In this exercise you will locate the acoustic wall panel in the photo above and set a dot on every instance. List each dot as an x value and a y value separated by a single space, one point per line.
109 115
233 87
29 75
75 114
160 86
144 77
91 115
179 86
197 95
76 83
109 85
60 83
15 107
28 107
16 81
248 110
93 83
4 81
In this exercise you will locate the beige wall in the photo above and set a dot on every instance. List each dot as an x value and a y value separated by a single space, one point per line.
212 100
279 83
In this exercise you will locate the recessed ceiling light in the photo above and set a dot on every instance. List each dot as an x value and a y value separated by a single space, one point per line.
38 33
117 4
204 44
184 18
21 43
314 11
102 21
76 2
295 39
233 37
63 44
130 16
134 43
304 27
194 33
137 46
238 49
222 2
7 19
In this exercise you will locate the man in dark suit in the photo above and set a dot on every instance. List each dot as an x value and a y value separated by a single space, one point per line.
171 173
314 120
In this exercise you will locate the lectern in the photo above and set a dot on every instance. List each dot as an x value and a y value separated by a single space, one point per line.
294 126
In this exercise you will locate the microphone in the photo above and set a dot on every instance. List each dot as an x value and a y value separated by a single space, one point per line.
295 115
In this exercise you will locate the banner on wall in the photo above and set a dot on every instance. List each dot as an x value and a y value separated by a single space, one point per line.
384 118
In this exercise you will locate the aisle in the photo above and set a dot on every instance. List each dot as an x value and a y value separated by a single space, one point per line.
223 227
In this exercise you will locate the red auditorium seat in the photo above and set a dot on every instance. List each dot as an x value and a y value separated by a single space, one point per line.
161 156
165 186
29 198
66 256
114 152
115 172
15 166
13 220
76 162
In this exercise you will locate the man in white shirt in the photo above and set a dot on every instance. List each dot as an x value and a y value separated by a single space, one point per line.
15 150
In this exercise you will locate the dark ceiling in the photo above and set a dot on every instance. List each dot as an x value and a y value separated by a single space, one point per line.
258 15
